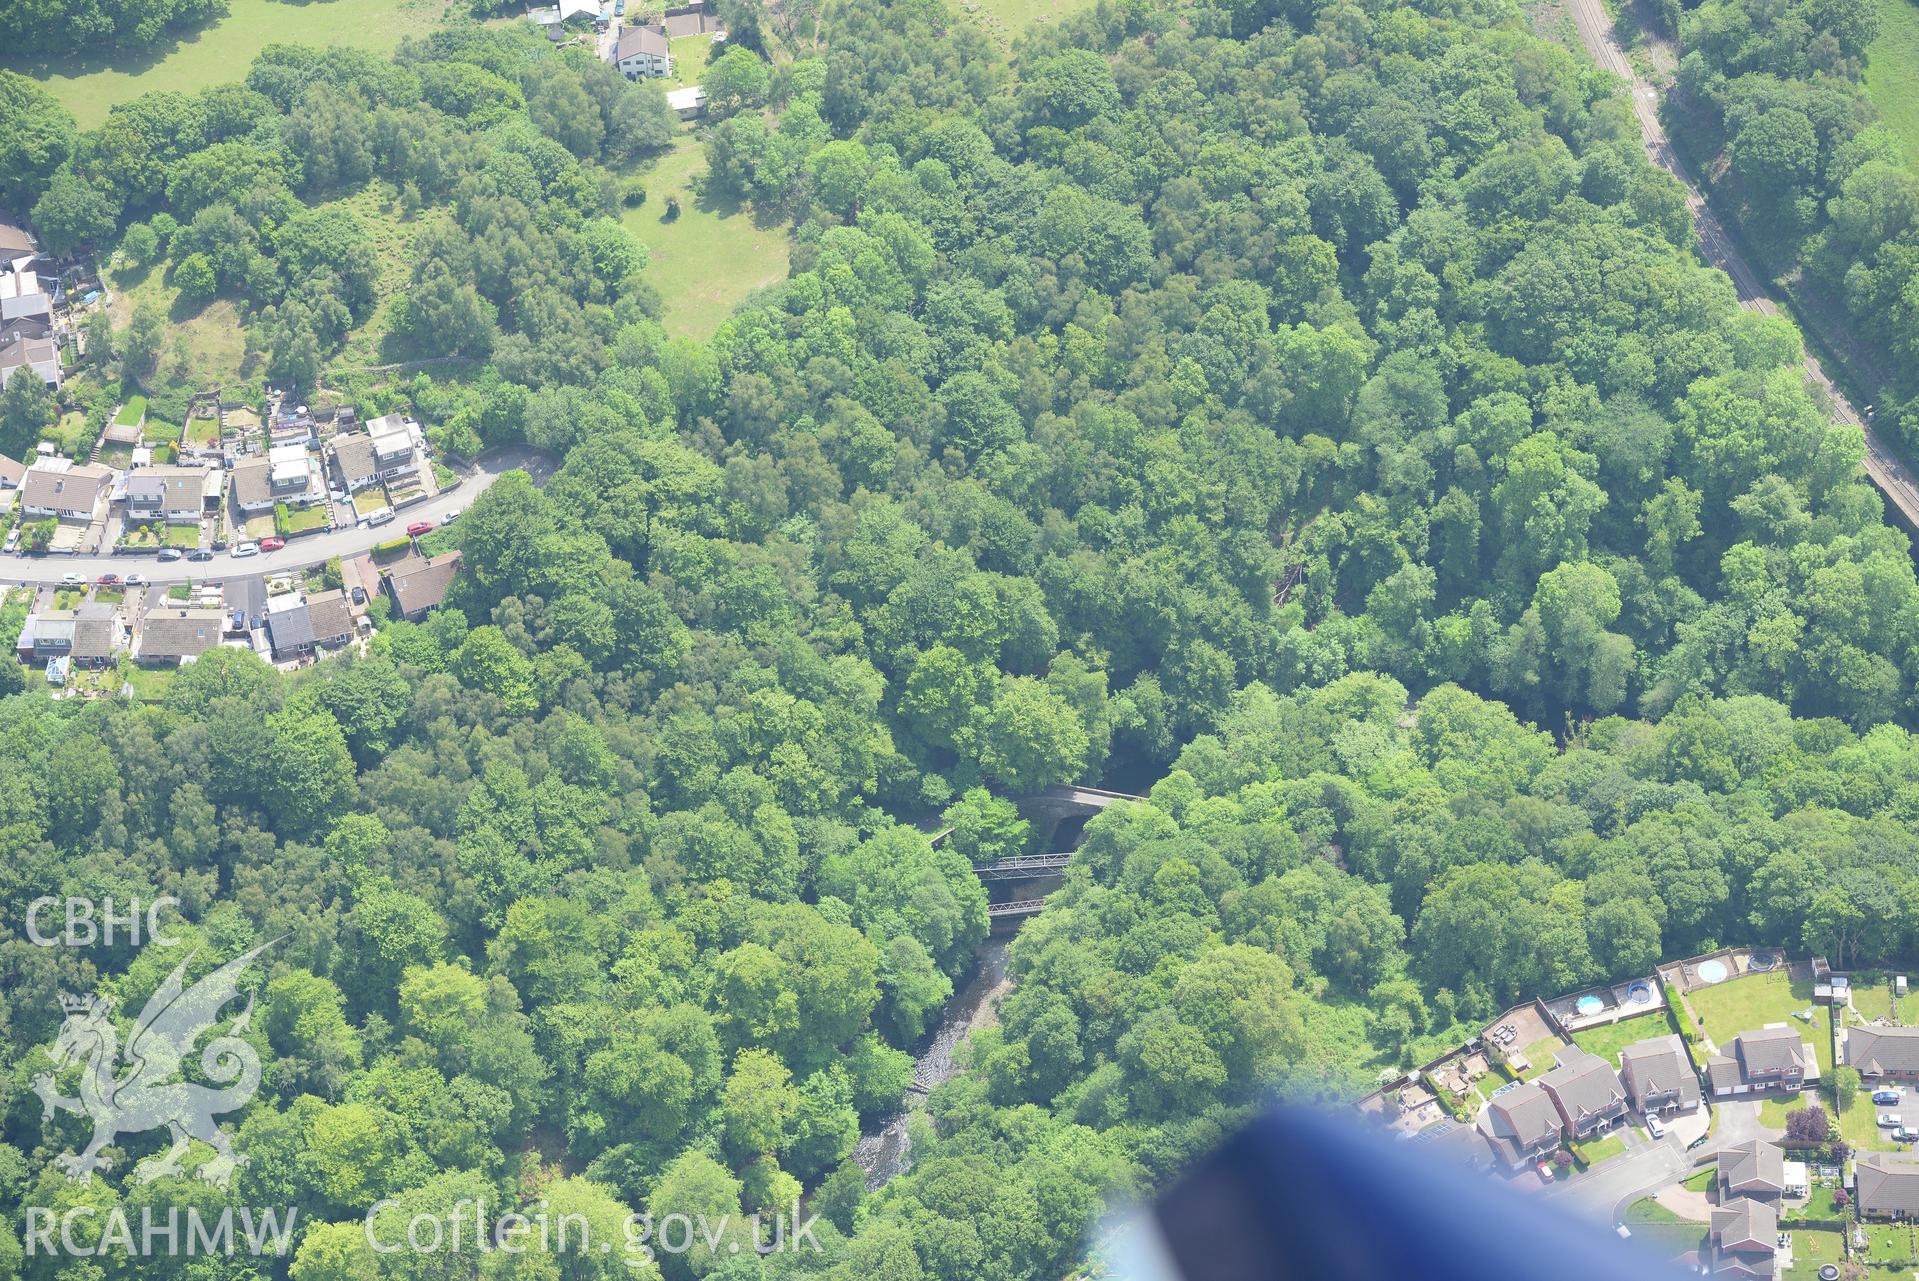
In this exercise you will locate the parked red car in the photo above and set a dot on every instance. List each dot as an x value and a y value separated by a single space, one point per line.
272 544
108 580
419 527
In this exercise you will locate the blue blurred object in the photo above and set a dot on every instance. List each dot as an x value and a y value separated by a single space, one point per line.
1305 1194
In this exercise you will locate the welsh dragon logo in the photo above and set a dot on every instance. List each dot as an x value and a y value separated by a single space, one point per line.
152 1093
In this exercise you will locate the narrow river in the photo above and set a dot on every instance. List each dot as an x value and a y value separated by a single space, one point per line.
885 1152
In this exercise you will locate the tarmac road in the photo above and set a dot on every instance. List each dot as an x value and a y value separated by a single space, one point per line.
299 553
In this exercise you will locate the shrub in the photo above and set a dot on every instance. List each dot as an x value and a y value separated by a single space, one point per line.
1808 1125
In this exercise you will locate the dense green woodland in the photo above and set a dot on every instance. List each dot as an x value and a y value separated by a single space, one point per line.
1317 417
1777 90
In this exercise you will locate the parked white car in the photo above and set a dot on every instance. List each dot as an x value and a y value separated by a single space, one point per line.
1655 1127
244 549
72 580
135 580
450 517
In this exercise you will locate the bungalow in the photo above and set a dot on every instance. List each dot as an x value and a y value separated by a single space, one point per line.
1585 1091
687 103
1522 1125
1658 1075
1754 1168
167 493
1745 1236
1883 1052
419 583
175 634
59 487
85 637
1774 1057
297 625
1886 1185
643 52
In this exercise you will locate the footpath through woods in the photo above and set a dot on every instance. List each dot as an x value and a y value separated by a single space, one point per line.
1596 32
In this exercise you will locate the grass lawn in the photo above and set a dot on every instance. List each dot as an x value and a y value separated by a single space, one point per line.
305 518
132 412
180 592
1540 1055
1004 19
1875 1001
1859 1123
215 342
161 433
1647 1210
1593 1153
1702 1180
120 456
96 79
149 683
68 598
1819 1205
690 55
1667 1240
183 535
109 596
1811 1250
1750 1002
708 259
371 499
1892 69
203 431
1606 1042
1888 1244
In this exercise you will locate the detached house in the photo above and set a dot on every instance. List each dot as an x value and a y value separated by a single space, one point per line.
166 494
643 53
297 625
386 450
174 634
1772 1058
60 488
1585 1092
285 475
1754 1168
33 353
419 583
1522 1125
1887 1185
21 292
1658 1075
1883 1052
1745 1237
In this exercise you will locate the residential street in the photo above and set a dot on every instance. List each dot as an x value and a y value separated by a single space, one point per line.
1596 33
47 571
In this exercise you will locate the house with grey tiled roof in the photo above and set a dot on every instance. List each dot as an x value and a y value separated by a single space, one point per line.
166 493
174 633
1886 1185
1658 1075
1755 1168
88 636
1585 1091
1774 1057
1522 1124
419 583
65 489
1883 1052
1745 1236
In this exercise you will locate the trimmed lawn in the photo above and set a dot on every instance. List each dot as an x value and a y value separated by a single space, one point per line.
1888 1244
1701 1181
690 56
1892 69
1593 1153
1606 1042
371 499
1875 1001
1819 1205
183 535
1668 1240
1750 1002
1811 1250
93 81
159 433
149 683
301 519
709 258
1859 1124
1647 1210
203 431
132 412
1540 1054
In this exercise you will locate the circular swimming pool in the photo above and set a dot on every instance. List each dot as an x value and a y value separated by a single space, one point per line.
1713 971
1589 1005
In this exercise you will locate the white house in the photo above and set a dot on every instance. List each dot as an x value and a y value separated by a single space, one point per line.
642 53
58 487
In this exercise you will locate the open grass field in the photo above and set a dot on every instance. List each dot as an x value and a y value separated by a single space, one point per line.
1892 69
208 333
712 256
1606 1042
1750 1002
93 82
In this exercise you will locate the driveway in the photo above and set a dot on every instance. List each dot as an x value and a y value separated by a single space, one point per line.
40 571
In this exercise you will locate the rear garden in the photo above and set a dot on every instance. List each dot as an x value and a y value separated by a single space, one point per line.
1752 1001
1608 1040
1814 1248
1659 1231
